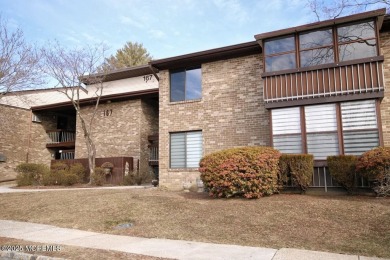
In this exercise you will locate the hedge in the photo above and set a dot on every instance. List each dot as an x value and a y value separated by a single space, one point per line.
342 168
249 172
298 168
375 166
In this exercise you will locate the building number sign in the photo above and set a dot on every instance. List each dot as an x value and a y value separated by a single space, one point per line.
107 112
147 78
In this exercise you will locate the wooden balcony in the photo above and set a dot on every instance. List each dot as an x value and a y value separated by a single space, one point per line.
361 76
60 139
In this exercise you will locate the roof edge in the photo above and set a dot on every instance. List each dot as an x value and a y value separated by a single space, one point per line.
102 98
320 24
119 74
226 52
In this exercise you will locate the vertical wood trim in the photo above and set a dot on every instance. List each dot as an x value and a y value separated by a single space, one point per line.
335 44
271 130
379 121
298 51
340 133
303 130
377 35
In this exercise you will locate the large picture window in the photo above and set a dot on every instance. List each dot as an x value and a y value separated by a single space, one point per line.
355 121
186 84
352 41
186 149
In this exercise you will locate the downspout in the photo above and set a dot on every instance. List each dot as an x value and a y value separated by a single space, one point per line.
154 71
29 137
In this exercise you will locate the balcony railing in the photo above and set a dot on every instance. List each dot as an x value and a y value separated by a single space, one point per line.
340 79
66 154
60 138
153 158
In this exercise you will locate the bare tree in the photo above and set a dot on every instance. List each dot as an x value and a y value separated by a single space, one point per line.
72 69
337 8
19 61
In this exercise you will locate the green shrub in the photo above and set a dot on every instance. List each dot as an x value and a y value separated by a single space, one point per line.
78 170
249 172
342 168
62 174
375 166
137 178
298 168
98 177
30 173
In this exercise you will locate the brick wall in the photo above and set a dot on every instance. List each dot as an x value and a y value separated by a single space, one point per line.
385 104
14 135
120 129
23 140
231 113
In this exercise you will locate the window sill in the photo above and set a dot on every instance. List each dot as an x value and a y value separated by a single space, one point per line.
185 101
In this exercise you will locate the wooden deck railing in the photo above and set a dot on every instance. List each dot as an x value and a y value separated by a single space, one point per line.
364 77
60 136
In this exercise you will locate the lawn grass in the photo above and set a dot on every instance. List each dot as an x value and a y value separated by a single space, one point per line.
343 224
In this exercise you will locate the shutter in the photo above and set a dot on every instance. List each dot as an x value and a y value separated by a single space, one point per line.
194 149
178 150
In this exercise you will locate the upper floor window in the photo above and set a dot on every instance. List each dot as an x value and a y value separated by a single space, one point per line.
316 48
357 41
280 53
186 84
324 46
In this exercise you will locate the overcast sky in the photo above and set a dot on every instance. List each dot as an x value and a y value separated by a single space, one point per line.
165 27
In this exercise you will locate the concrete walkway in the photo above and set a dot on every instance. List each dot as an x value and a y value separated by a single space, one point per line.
176 249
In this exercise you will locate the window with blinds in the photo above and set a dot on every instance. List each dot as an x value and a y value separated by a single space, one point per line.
321 129
360 128
286 130
186 149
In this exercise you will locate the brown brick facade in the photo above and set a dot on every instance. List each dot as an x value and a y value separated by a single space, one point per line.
385 104
121 129
23 140
231 113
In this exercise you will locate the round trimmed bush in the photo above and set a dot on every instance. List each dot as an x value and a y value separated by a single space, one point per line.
249 172
375 166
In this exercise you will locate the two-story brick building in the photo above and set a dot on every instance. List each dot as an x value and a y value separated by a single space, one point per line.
317 88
